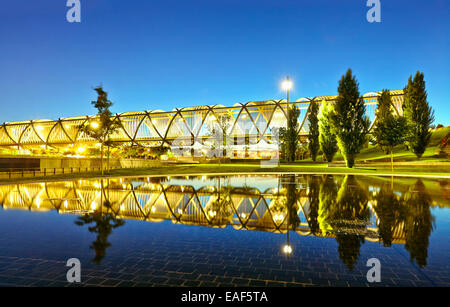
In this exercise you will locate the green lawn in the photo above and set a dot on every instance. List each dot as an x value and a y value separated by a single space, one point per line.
375 154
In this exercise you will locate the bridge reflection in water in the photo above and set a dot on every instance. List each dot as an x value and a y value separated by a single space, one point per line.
347 208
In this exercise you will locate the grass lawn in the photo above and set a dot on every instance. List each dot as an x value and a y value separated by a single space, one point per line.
375 154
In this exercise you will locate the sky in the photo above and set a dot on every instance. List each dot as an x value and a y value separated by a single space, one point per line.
164 54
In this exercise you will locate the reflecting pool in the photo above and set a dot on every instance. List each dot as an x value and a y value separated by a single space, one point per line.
261 230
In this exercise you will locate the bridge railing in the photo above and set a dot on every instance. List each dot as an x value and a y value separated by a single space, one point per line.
27 173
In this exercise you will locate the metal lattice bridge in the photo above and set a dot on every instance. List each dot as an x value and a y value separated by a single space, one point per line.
248 125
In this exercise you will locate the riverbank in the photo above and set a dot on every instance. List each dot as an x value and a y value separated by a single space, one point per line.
216 169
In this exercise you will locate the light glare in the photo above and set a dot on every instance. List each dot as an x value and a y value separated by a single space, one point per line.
286 84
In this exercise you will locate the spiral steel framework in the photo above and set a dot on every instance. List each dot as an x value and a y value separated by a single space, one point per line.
253 121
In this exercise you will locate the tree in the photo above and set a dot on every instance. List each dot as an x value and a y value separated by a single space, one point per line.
327 139
281 133
218 127
349 122
390 130
418 114
290 138
102 130
313 134
224 121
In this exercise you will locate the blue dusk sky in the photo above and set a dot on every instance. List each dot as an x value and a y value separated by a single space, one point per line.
165 54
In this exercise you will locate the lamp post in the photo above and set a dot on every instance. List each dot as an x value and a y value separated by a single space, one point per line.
287 85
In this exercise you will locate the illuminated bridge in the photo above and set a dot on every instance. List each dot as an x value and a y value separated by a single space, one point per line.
252 123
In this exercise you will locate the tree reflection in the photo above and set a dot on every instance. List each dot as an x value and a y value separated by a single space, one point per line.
103 227
345 213
351 210
313 198
327 200
419 222
389 212
220 211
292 196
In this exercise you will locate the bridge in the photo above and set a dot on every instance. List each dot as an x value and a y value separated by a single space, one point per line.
250 124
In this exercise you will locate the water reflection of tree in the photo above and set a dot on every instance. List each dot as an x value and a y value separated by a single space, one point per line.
345 213
286 206
104 223
327 199
313 198
291 204
419 222
389 212
221 209
351 205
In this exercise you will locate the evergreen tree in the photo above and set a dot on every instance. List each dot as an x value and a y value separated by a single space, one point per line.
327 139
313 135
290 137
349 122
390 130
418 114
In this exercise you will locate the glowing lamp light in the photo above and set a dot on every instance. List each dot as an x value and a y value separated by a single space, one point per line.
94 125
287 249
39 128
286 84
81 149
278 217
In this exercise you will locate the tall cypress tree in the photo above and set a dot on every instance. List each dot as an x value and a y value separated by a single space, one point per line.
349 122
290 136
418 114
313 134
327 139
389 130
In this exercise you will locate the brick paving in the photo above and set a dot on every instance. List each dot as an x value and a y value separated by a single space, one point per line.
144 254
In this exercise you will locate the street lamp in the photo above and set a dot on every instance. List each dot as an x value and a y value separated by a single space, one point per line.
287 85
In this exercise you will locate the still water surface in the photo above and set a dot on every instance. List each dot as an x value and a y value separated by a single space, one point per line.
227 231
